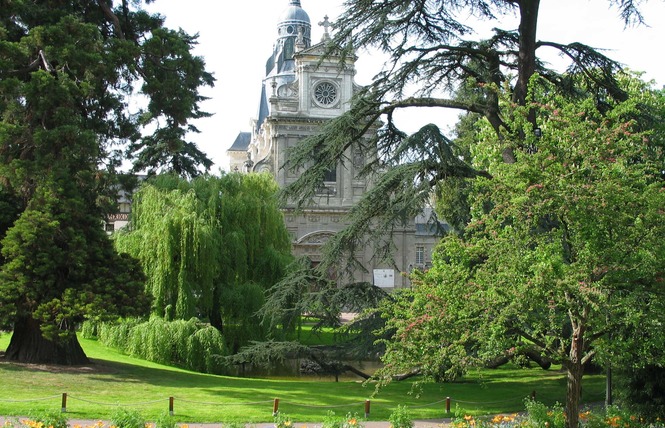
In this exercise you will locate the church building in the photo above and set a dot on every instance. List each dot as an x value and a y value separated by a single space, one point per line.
298 95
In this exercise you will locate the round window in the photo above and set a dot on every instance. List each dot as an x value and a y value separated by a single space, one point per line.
325 93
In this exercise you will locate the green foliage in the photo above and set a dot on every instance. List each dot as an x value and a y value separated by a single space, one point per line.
241 304
166 420
269 354
210 248
68 82
10 208
282 420
539 416
127 418
161 341
89 330
302 290
52 235
401 417
205 349
51 419
188 344
116 334
432 62
333 421
641 389
564 248
307 290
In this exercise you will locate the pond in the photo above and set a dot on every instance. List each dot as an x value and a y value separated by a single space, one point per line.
308 370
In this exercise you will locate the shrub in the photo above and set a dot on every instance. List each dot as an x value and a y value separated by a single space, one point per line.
51 419
283 421
401 418
204 349
89 329
116 335
538 415
165 420
642 391
333 421
188 344
161 341
124 418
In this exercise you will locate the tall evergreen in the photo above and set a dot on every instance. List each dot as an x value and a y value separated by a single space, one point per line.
69 75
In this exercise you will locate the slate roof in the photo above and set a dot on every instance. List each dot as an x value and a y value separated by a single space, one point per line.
242 142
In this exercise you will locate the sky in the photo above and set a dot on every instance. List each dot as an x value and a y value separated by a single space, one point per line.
236 39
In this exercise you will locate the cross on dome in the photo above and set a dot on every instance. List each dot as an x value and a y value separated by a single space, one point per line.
326 24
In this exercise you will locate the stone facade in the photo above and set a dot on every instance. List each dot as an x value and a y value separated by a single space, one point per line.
299 93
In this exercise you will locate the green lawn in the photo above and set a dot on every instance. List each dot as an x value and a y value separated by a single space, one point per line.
115 380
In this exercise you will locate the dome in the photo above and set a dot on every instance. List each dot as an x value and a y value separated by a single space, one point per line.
294 13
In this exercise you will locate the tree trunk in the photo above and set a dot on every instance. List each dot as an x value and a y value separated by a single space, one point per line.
574 369
526 62
28 345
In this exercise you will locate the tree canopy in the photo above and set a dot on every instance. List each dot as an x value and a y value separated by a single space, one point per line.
210 247
563 255
433 61
71 73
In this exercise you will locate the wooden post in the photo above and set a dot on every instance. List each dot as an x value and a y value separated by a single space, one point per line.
275 407
63 409
533 395
448 405
367 404
170 406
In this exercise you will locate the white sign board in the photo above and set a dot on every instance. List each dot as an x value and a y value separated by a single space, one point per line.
384 278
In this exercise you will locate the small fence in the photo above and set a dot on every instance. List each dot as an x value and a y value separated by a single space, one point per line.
172 401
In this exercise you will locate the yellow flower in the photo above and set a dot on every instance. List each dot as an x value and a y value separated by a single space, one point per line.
287 423
353 421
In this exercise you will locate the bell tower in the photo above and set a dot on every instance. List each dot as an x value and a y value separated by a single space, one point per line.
304 87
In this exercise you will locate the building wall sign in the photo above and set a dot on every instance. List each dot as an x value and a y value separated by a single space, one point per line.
384 278
118 217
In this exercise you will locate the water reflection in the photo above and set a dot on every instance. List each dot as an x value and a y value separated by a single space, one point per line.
307 370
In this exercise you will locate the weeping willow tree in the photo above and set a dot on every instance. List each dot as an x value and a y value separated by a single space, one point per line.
210 247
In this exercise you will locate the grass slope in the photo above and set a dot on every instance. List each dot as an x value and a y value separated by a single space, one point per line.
115 380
